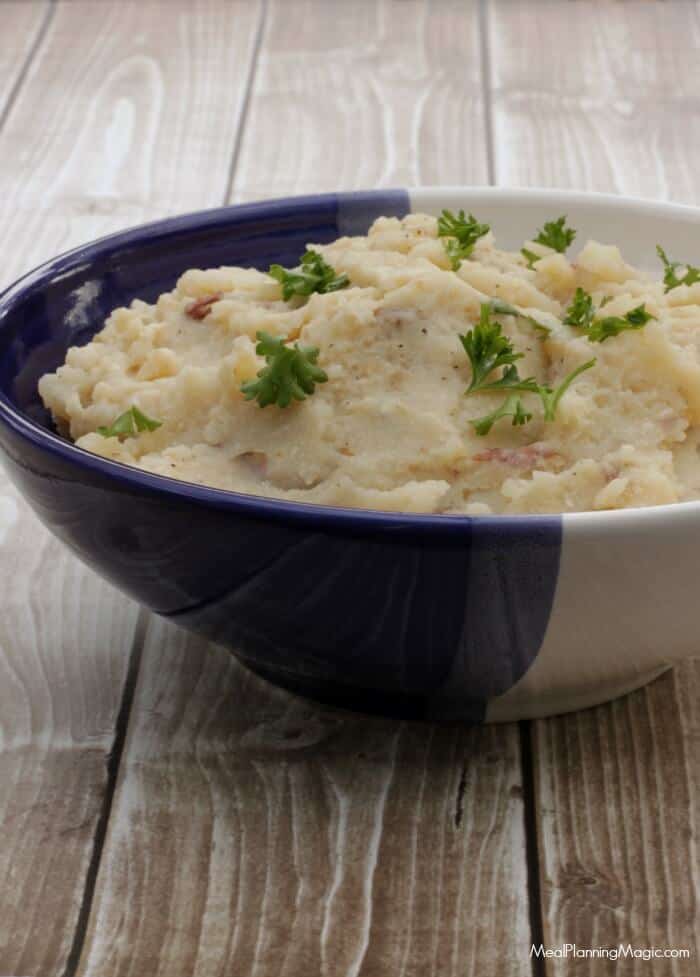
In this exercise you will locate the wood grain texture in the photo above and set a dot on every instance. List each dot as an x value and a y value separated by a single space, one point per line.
64 642
129 114
255 833
621 114
618 787
364 93
57 707
117 120
618 794
22 24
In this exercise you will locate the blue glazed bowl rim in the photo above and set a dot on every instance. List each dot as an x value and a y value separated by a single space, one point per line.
264 508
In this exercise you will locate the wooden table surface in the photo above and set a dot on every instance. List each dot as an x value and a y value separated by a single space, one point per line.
162 812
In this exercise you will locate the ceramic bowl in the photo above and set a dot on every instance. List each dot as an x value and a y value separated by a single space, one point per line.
446 617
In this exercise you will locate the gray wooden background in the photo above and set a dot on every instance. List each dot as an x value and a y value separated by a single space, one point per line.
162 813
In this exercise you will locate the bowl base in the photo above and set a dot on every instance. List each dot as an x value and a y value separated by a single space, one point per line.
559 703
373 702
393 705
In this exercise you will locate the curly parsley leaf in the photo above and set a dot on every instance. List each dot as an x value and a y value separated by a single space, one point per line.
455 252
488 349
461 233
291 372
613 325
499 307
556 235
129 424
551 397
511 380
530 257
671 277
581 311
511 407
583 314
314 275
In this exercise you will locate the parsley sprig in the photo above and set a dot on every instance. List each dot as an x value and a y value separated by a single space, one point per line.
530 257
291 372
499 307
553 234
613 325
511 407
583 314
129 424
671 277
313 275
556 235
550 397
487 350
461 234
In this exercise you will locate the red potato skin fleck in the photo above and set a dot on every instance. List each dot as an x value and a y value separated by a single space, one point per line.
201 308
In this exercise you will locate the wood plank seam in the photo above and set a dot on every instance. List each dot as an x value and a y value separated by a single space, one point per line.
487 89
532 851
113 764
28 61
250 83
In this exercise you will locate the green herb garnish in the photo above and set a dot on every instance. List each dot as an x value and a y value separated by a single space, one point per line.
551 397
530 257
499 307
462 233
313 275
129 424
671 277
291 372
613 325
488 349
582 314
511 407
556 235
581 311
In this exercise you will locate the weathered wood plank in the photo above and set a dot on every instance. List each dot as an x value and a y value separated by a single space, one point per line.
117 120
618 787
364 93
22 24
64 641
618 799
254 833
620 116
130 114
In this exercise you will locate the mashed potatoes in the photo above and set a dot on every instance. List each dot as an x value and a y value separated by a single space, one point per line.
391 428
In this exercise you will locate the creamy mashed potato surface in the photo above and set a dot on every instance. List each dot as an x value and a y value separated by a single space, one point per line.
392 427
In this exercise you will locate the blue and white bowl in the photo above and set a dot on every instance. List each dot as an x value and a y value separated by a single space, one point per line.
446 617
